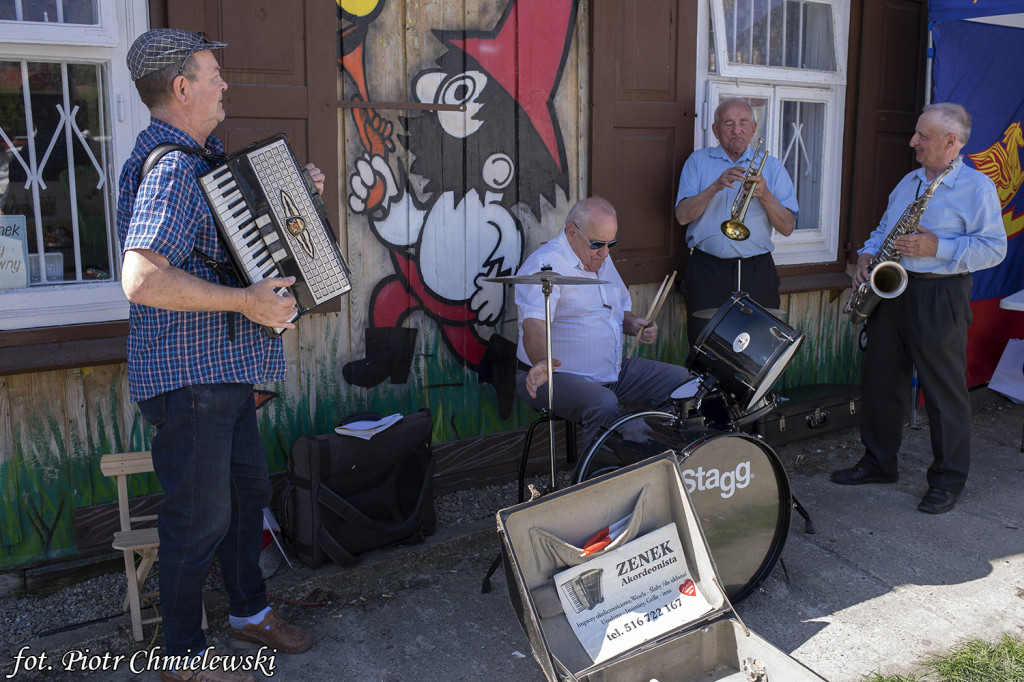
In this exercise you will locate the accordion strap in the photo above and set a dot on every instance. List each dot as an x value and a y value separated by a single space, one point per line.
224 272
223 269
165 148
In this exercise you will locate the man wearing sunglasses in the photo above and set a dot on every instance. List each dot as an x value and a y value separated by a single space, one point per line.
195 350
708 187
587 325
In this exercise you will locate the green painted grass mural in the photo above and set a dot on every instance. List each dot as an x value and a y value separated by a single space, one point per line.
50 474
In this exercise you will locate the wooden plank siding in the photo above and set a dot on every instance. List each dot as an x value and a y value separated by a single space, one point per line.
57 424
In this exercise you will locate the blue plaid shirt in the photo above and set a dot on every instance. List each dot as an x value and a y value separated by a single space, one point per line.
168 215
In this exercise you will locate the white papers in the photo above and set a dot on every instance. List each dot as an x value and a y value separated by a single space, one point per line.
1008 379
630 595
14 264
367 429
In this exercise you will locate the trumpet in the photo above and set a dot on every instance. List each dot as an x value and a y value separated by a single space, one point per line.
734 228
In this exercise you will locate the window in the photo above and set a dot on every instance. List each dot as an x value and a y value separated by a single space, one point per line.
68 117
787 58
56 11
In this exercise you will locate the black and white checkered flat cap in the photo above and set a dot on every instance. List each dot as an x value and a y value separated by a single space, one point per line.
161 47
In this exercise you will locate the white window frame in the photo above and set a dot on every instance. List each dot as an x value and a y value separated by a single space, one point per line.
840 29
103 33
105 43
804 246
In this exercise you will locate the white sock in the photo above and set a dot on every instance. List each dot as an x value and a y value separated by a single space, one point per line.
239 622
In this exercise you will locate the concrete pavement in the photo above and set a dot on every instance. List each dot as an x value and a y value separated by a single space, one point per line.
879 587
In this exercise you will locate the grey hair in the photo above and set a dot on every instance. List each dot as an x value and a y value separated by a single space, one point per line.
156 89
729 102
954 119
585 209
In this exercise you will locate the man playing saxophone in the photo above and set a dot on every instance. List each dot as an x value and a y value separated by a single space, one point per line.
711 181
960 232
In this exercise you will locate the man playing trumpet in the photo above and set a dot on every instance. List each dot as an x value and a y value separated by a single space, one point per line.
711 181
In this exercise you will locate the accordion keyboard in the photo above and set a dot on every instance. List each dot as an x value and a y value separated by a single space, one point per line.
256 243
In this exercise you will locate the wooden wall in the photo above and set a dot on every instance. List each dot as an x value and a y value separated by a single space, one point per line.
57 424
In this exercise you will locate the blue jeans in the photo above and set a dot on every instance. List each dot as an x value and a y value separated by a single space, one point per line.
209 458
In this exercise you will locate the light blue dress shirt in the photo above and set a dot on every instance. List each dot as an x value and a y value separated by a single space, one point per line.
963 213
705 232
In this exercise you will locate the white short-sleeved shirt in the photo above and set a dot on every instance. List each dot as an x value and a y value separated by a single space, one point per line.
586 320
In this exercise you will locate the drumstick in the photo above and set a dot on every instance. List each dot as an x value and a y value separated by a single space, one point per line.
654 302
659 300
663 297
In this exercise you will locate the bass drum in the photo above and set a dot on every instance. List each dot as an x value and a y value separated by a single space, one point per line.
737 484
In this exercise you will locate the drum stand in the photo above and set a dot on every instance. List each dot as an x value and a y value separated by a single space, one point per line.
546 290
808 525
547 279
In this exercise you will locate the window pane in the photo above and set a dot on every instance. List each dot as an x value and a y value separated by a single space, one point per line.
712 51
803 138
55 176
790 33
818 43
50 11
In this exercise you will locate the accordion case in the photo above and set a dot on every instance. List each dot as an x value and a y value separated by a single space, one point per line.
273 223
647 606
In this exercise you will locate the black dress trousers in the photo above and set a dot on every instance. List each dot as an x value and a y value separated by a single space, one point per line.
926 326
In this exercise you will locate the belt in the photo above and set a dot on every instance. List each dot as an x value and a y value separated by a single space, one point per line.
731 261
935 275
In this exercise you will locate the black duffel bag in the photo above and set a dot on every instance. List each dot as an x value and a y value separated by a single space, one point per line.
346 495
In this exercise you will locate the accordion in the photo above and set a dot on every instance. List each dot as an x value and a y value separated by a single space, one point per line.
273 223
584 591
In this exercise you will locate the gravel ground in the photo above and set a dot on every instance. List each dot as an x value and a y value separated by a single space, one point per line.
100 598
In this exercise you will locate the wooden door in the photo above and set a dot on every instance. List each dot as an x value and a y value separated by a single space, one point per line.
281 68
889 97
643 80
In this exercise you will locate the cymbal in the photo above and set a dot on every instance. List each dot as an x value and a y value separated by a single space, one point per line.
542 277
708 313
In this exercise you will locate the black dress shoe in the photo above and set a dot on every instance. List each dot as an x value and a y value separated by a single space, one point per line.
858 475
937 501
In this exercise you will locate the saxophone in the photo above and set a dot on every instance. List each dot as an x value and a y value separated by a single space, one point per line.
888 278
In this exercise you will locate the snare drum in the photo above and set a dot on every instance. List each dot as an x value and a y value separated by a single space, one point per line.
746 349
738 486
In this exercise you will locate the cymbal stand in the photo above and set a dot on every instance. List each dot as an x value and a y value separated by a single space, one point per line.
546 288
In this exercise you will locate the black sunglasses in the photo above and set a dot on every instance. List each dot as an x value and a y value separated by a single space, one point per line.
203 40
596 245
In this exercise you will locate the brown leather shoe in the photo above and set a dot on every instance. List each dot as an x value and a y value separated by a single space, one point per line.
274 632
